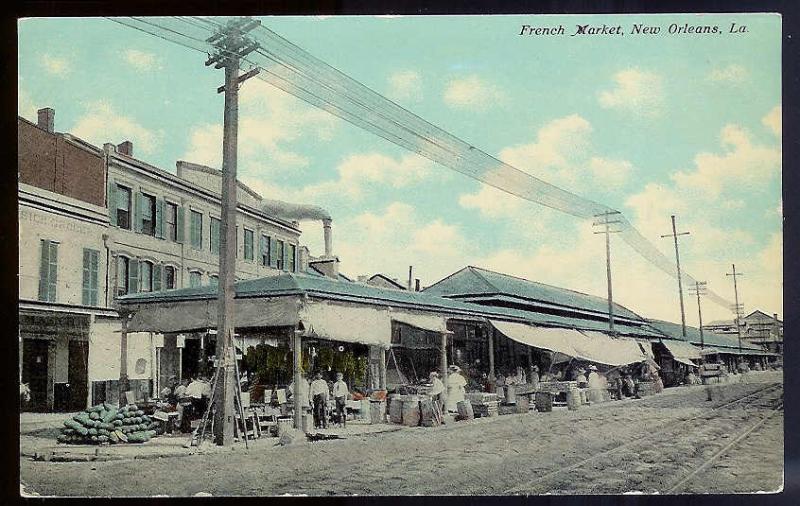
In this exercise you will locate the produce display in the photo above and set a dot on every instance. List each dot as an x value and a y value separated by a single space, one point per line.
105 423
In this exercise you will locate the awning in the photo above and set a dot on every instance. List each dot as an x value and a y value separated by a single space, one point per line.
682 350
352 324
202 314
686 361
552 339
433 323
646 346
603 349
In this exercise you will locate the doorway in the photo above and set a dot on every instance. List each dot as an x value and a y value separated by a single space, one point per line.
35 366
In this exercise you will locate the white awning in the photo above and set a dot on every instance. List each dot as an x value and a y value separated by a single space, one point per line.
434 323
352 324
681 349
646 346
685 361
603 349
552 339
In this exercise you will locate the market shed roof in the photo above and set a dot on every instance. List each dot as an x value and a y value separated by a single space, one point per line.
320 287
474 281
673 331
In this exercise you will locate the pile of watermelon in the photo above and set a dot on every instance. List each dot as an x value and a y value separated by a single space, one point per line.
105 423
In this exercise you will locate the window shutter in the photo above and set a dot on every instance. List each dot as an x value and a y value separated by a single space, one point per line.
112 202
262 248
157 277
285 257
52 275
179 219
44 267
273 252
160 218
137 206
86 295
133 276
95 269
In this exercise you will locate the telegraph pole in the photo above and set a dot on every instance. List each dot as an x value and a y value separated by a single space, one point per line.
738 307
607 231
699 289
231 45
675 235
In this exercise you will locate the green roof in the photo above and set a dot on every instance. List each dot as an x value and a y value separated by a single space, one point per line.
673 331
327 288
474 281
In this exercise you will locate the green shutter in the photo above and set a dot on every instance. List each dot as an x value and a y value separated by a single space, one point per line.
112 202
273 252
137 206
44 267
285 257
133 276
52 276
160 218
86 295
179 220
157 277
95 269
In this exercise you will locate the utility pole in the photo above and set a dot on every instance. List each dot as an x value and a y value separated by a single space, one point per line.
738 308
675 235
231 45
699 289
607 231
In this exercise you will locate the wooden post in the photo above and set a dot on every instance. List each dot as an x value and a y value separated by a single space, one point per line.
297 361
443 362
124 384
491 356
382 368
180 364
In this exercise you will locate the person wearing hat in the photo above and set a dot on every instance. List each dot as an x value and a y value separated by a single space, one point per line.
595 385
533 378
455 388
319 393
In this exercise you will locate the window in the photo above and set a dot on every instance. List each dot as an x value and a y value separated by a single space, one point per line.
279 265
264 249
169 277
213 237
292 258
148 214
248 244
123 269
90 267
197 230
194 279
213 280
48 271
123 207
146 277
171 220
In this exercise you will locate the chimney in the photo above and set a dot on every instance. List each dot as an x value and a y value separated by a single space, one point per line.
326 230
329 266
416 285
410 269
126 148
303 261
109 148
47 119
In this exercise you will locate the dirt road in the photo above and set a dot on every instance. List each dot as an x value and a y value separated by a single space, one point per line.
647 445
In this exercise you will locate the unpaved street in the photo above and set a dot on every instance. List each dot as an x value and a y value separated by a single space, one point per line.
647 445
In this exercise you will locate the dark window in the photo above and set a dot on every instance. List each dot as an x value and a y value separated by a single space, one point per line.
279 264
214 235
197 230
292 258
169 277
248 244
171 220
90 280
148 214
123 207
265 244
123 265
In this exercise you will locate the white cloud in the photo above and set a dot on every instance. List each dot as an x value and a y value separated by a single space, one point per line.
142 60
472 93
270 121
56 65
636 91
730 74
742 163
103 123
610 173
491 202
25 105
405 85
773 121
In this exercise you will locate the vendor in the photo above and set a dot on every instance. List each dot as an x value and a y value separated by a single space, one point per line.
437 390
455 388
534 377
319 393
340 394
595 384
167 393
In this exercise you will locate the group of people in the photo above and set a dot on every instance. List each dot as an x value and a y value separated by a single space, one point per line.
188 398
447 397
317 395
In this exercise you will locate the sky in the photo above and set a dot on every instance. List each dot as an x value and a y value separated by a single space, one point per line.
652 125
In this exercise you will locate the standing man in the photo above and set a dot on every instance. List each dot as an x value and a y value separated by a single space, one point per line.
437 390
340 394
319 394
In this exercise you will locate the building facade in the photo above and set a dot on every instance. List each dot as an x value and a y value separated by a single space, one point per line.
757 328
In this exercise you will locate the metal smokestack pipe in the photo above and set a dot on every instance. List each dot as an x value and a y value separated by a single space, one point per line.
326 229
410 269
416 288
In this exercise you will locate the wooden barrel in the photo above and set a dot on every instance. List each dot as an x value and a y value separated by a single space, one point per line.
284 425
428 413
411 414
396 409
544 402
465 410
511 394
573 399
523 403
377 411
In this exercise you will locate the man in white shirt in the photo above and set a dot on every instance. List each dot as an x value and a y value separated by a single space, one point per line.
437 390
319 393
340 393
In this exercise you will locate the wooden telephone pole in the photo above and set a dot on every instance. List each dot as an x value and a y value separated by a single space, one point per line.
699 289
607 231
231 45
675 235
738 308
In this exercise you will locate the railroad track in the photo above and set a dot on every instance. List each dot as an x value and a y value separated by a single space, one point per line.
532 486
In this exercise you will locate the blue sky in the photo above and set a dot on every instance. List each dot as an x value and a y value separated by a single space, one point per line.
651 125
